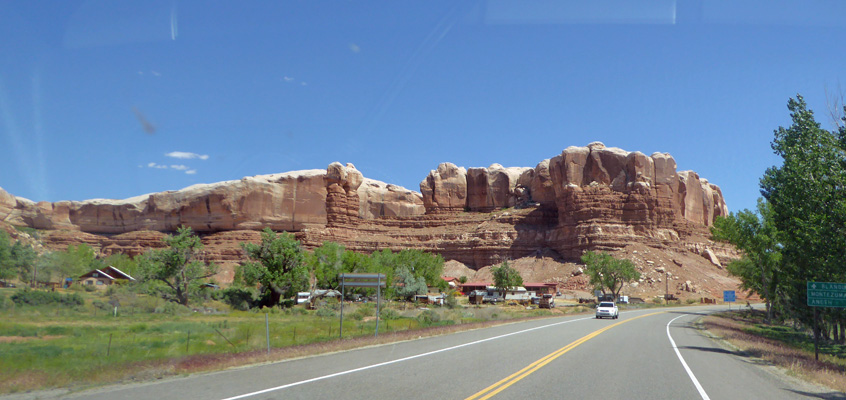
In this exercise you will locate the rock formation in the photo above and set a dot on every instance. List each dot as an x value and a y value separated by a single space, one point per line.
586 198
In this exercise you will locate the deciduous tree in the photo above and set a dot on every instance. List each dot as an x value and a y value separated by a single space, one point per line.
506 277
807 195
278 265
608 274
177 267
756 236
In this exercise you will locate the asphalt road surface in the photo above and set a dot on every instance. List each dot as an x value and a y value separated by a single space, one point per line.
645 354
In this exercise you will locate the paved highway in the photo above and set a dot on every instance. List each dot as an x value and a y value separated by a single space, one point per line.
645 354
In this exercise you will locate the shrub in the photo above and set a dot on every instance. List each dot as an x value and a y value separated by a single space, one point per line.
172 308
389 313
428 317
237 298
39 297
326 312
450 301
362 311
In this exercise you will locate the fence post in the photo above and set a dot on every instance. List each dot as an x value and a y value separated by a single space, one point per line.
187 342
267 331
109 349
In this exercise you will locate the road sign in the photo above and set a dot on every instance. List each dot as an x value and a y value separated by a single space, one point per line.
729 296
362 280
827 294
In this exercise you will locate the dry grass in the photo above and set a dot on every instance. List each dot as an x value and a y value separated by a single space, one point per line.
211 362
156 369
828 371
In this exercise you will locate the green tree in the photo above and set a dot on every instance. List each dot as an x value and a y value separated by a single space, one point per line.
327 262
807 195
608 274
7 265
278 265
176 268
44 269
406 284
74 261
122 262
506 277
756 236
24 261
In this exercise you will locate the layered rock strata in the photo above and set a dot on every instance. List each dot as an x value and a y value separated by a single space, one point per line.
591 197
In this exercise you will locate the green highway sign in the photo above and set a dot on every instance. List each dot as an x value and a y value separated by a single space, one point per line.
827 294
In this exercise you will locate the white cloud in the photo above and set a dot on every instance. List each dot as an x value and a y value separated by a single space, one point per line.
187 155
354 48
288 79
191 171
303 83
179 167
157 166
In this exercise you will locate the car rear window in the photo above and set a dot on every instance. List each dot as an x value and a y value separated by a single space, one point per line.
606 304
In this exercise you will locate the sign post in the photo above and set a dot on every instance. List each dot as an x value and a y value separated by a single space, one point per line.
361 280
729 297
824 294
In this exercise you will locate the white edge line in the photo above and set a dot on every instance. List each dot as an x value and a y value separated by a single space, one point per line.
411 358
686 368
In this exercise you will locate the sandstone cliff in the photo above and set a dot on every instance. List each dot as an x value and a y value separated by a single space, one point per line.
593 197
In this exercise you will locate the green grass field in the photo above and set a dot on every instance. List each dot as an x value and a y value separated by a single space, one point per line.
50 346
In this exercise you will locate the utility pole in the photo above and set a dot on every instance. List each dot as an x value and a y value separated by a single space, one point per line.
667 286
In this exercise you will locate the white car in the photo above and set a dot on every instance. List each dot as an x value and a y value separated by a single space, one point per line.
607 309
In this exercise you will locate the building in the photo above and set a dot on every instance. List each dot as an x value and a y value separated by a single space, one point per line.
100 278
541 288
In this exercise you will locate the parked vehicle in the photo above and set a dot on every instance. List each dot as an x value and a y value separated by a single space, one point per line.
607 309
547 301
623 299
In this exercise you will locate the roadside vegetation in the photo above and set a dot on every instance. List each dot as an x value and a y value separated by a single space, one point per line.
76 339
796 235
174 318
788 347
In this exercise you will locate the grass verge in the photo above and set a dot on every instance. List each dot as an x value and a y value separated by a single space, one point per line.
46 347
782 346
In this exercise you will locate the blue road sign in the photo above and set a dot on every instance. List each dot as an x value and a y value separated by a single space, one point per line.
728 296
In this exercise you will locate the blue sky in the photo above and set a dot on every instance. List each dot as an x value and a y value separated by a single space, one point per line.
104 99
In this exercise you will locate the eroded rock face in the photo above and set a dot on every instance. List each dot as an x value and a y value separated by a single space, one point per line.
494 187
586 198
382 200
445 189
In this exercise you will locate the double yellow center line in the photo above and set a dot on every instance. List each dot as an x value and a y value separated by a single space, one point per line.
492 390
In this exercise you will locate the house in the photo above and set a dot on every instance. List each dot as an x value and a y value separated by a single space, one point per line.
471 286
101 278
452 281
541 287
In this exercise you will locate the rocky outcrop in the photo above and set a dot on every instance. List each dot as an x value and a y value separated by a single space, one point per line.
445 189
494 187
586 198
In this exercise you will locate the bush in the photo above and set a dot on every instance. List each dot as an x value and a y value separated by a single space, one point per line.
39 297
428 317
389 313
450 301
237 298
172 308
326 312
362 311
